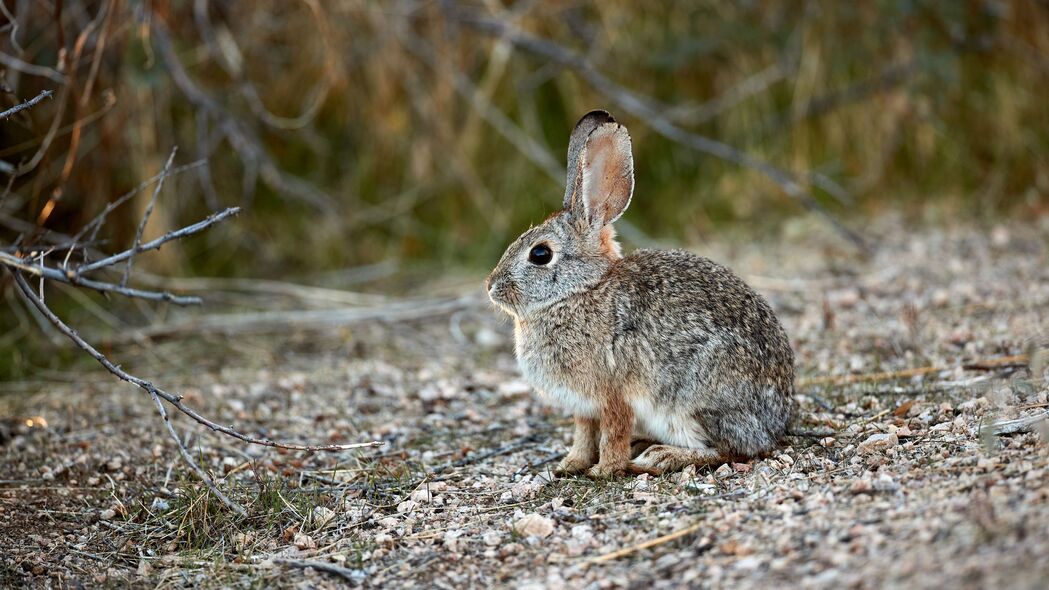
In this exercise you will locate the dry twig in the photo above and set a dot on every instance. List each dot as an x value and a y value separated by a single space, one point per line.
145 216
650 543
175 400
353 576
1004 362
1017 426
27 104
31 297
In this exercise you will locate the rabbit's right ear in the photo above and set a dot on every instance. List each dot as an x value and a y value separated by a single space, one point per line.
600 170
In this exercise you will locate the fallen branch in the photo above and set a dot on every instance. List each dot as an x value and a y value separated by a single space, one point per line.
319 319
32 102
1005 362
353 576
1017 426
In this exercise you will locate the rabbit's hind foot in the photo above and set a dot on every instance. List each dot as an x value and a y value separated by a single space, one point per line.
664 458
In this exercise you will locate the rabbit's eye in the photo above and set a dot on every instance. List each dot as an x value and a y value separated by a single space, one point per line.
540 254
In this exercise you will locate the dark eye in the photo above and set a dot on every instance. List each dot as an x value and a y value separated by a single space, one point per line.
540 254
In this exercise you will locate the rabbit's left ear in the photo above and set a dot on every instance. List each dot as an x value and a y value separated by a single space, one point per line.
605 180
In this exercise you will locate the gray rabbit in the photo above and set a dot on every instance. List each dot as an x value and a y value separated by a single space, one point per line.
664 358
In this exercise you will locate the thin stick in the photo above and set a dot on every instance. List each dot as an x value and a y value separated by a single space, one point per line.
1004 362
978 365
157 243
32 102
650 543
314 319
71 278
868 377
503 450
145 216
188 458
175 400
101 217
330 568
1018 425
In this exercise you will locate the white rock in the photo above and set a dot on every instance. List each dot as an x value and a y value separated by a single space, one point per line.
877 442
534 525
583 532
322 516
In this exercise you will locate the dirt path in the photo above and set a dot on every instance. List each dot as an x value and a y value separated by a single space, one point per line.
906 493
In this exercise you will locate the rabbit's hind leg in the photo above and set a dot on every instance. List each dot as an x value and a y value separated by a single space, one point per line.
639 444
664 458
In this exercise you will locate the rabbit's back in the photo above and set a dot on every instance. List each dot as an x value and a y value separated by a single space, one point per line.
705 349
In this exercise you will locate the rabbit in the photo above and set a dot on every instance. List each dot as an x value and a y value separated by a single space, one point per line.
664 358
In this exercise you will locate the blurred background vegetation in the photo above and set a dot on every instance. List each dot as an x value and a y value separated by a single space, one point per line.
428 134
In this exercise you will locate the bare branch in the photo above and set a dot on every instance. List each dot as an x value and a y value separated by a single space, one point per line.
1017 426
145 216
32 102
33 70
352 576
188 458
72 278
154 393
320 319
96 223
157 243
151 389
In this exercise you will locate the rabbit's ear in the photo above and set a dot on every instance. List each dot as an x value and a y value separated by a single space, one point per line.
576 142
605 175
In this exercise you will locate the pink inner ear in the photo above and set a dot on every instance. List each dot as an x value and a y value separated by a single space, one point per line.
608 175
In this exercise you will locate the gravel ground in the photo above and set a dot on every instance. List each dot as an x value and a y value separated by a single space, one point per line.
912 489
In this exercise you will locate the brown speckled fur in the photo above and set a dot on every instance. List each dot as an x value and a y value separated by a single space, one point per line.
660 345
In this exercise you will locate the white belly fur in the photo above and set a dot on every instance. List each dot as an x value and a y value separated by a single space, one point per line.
667 426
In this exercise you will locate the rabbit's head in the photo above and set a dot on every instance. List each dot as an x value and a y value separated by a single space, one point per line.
573 248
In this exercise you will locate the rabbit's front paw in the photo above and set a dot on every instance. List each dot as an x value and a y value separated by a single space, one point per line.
571 465
604 470
609 470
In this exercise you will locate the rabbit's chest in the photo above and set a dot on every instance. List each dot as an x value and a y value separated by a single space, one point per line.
563 378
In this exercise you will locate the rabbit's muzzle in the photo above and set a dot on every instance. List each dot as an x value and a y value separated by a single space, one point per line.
503 292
